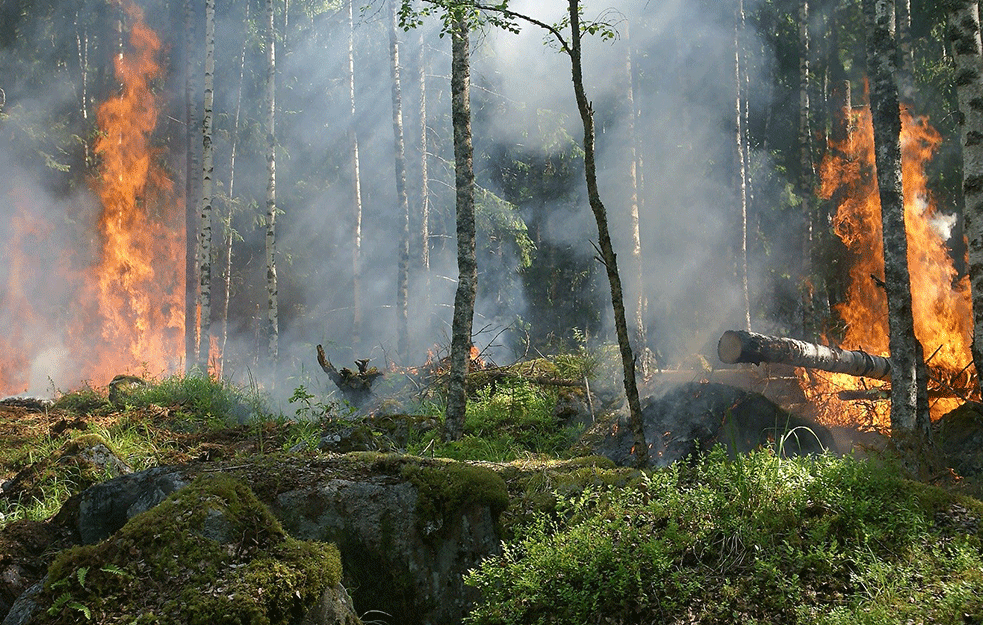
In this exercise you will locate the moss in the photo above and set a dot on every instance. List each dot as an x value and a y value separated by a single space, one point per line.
211 553
448 487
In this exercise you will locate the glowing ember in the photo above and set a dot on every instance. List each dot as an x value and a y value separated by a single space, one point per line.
940 301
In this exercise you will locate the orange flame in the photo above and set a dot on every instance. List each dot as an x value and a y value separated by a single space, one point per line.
940 299
125 313
137 280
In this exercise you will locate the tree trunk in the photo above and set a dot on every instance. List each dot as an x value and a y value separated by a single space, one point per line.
739 346
741 147
424 257
190 203
207 171
906 54
403 205
466 264
608 256
807 273
230 205
356 189
638 268
273 322
909 398
965 34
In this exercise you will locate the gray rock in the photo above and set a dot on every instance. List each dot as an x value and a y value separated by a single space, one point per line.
398 565
23 609
694 417
106 507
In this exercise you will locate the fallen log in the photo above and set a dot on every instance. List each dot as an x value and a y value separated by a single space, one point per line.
739 346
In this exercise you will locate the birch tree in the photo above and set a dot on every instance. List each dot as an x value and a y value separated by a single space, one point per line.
205 223
466 264
741 149
273 323
402 201
964 31
634 158
909 399
190 203
356 188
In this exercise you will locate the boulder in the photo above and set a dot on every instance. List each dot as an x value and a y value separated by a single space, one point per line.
959 437
210 551
407 528
694 417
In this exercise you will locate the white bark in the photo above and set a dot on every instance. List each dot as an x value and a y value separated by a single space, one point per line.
205 223
273 332
965 33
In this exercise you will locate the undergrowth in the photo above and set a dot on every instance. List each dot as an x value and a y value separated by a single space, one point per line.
759 539
510 419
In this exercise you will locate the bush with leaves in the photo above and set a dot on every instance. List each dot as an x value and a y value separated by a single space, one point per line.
756 539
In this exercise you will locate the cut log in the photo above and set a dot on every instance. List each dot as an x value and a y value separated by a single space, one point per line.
739 346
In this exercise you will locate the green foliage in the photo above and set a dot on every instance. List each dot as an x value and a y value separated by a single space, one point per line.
757 539
199 398
509 419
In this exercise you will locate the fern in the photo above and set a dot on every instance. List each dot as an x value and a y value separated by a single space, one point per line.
80 574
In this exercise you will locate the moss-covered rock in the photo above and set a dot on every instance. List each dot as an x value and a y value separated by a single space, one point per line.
210 553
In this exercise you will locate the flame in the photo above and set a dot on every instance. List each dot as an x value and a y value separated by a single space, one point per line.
941 302
123 312
138 283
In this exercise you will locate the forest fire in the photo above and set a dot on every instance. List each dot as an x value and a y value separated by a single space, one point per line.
940 299
125 311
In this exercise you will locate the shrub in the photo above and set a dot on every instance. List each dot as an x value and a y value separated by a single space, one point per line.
756 539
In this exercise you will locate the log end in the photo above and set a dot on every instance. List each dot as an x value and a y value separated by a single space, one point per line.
730 347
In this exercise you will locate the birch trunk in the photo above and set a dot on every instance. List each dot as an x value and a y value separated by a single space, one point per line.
230 205
190 203
273 322
964 23
638 270
466 263
403 205
741 148
207 170
909 399
608 257
809 273
356 189
424 258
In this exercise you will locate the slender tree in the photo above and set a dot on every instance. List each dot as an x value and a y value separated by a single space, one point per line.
466 263
208 170
638 266
190 203
424 232
403 205
228 231
741 160
356 188
608 256
273 321
964 25
909 399
809 274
